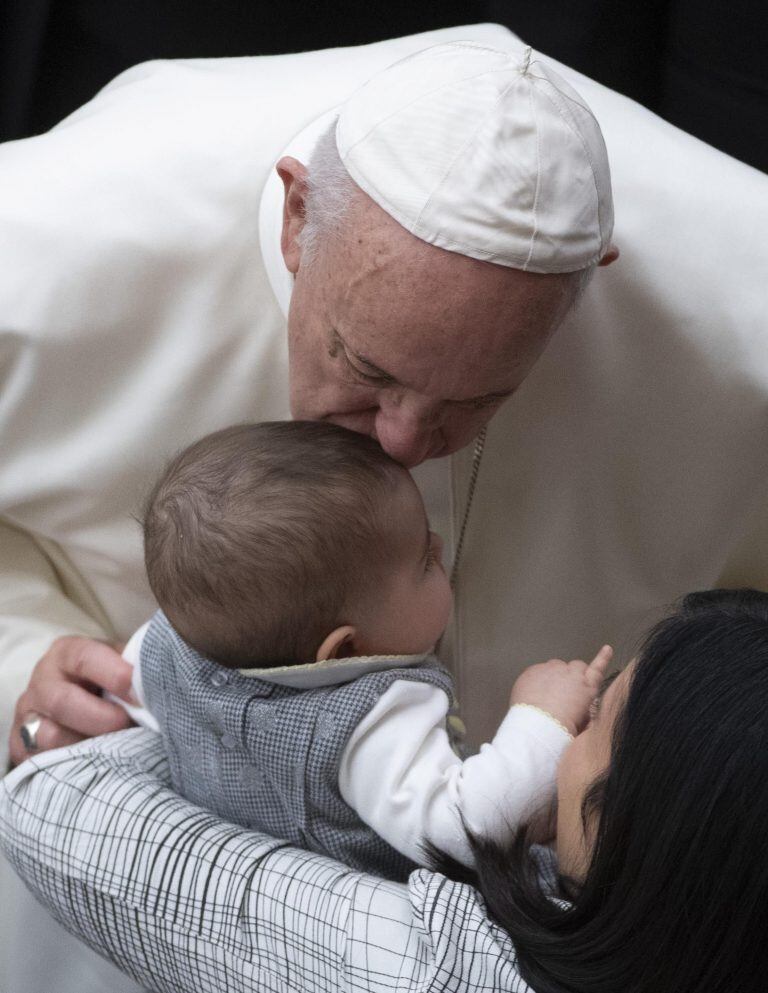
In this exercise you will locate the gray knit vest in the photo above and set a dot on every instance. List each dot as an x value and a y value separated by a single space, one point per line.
267 756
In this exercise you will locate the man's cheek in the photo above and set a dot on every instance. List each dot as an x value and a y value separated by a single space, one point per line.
341 396
462 432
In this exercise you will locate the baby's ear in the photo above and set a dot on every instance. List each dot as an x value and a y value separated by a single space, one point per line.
338 645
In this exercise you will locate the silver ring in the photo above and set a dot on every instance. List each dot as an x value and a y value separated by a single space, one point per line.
28 732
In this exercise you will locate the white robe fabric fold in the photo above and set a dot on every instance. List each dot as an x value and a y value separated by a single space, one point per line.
136 314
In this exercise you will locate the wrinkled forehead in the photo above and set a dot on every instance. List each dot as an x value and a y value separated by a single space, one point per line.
378 256
424 314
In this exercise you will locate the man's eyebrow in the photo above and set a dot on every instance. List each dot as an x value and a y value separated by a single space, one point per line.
387 377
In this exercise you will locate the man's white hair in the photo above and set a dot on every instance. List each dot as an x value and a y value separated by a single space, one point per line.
330 193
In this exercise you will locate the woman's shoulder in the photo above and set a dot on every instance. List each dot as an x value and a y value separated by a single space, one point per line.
465 945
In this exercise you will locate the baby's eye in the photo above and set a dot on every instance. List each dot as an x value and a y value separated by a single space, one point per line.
593 709
431 559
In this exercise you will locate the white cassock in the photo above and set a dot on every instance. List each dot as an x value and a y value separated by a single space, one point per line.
142 305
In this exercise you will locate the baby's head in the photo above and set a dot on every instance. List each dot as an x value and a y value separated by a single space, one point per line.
282 543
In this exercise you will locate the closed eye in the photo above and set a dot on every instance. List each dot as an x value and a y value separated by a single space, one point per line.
379 378
371 374
362 369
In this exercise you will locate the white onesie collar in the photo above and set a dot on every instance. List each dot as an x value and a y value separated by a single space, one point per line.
332 672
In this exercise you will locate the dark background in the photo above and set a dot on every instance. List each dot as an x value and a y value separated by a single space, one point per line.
701 64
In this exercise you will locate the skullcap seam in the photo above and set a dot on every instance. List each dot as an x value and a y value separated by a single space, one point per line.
585 149
534 214
566 96
416 99
573 127
499 97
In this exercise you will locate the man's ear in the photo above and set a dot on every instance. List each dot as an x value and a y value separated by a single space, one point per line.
338 645
610 256
294 177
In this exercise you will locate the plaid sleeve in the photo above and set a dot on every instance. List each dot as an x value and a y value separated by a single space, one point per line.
182 901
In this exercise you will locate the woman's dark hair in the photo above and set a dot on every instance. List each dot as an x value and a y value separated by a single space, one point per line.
675 897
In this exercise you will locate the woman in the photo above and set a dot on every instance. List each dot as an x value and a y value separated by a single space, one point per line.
662 813
663 884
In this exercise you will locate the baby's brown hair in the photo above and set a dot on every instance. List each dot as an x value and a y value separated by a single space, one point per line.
257 538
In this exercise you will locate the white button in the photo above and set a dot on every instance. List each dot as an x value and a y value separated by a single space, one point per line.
228 741
219 678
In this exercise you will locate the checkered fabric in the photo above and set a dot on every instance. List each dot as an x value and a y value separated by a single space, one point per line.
267 756
186 903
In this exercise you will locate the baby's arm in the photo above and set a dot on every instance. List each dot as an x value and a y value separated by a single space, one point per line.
132 653
400 774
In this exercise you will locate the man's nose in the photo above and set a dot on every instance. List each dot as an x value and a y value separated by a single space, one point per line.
406 432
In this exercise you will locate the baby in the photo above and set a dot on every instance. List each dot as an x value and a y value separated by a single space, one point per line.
288 669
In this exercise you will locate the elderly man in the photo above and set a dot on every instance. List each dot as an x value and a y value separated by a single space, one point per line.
424 251
427 280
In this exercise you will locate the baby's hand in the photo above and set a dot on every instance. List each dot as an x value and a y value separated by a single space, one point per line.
565 690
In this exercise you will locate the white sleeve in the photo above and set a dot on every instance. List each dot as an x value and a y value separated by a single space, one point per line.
132 653
34 610
400 774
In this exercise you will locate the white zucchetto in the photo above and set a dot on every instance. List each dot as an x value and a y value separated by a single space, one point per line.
482 152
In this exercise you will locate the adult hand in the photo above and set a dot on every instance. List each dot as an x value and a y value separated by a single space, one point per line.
565 690
64 692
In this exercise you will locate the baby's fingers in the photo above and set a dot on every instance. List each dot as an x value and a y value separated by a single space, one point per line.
598 667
